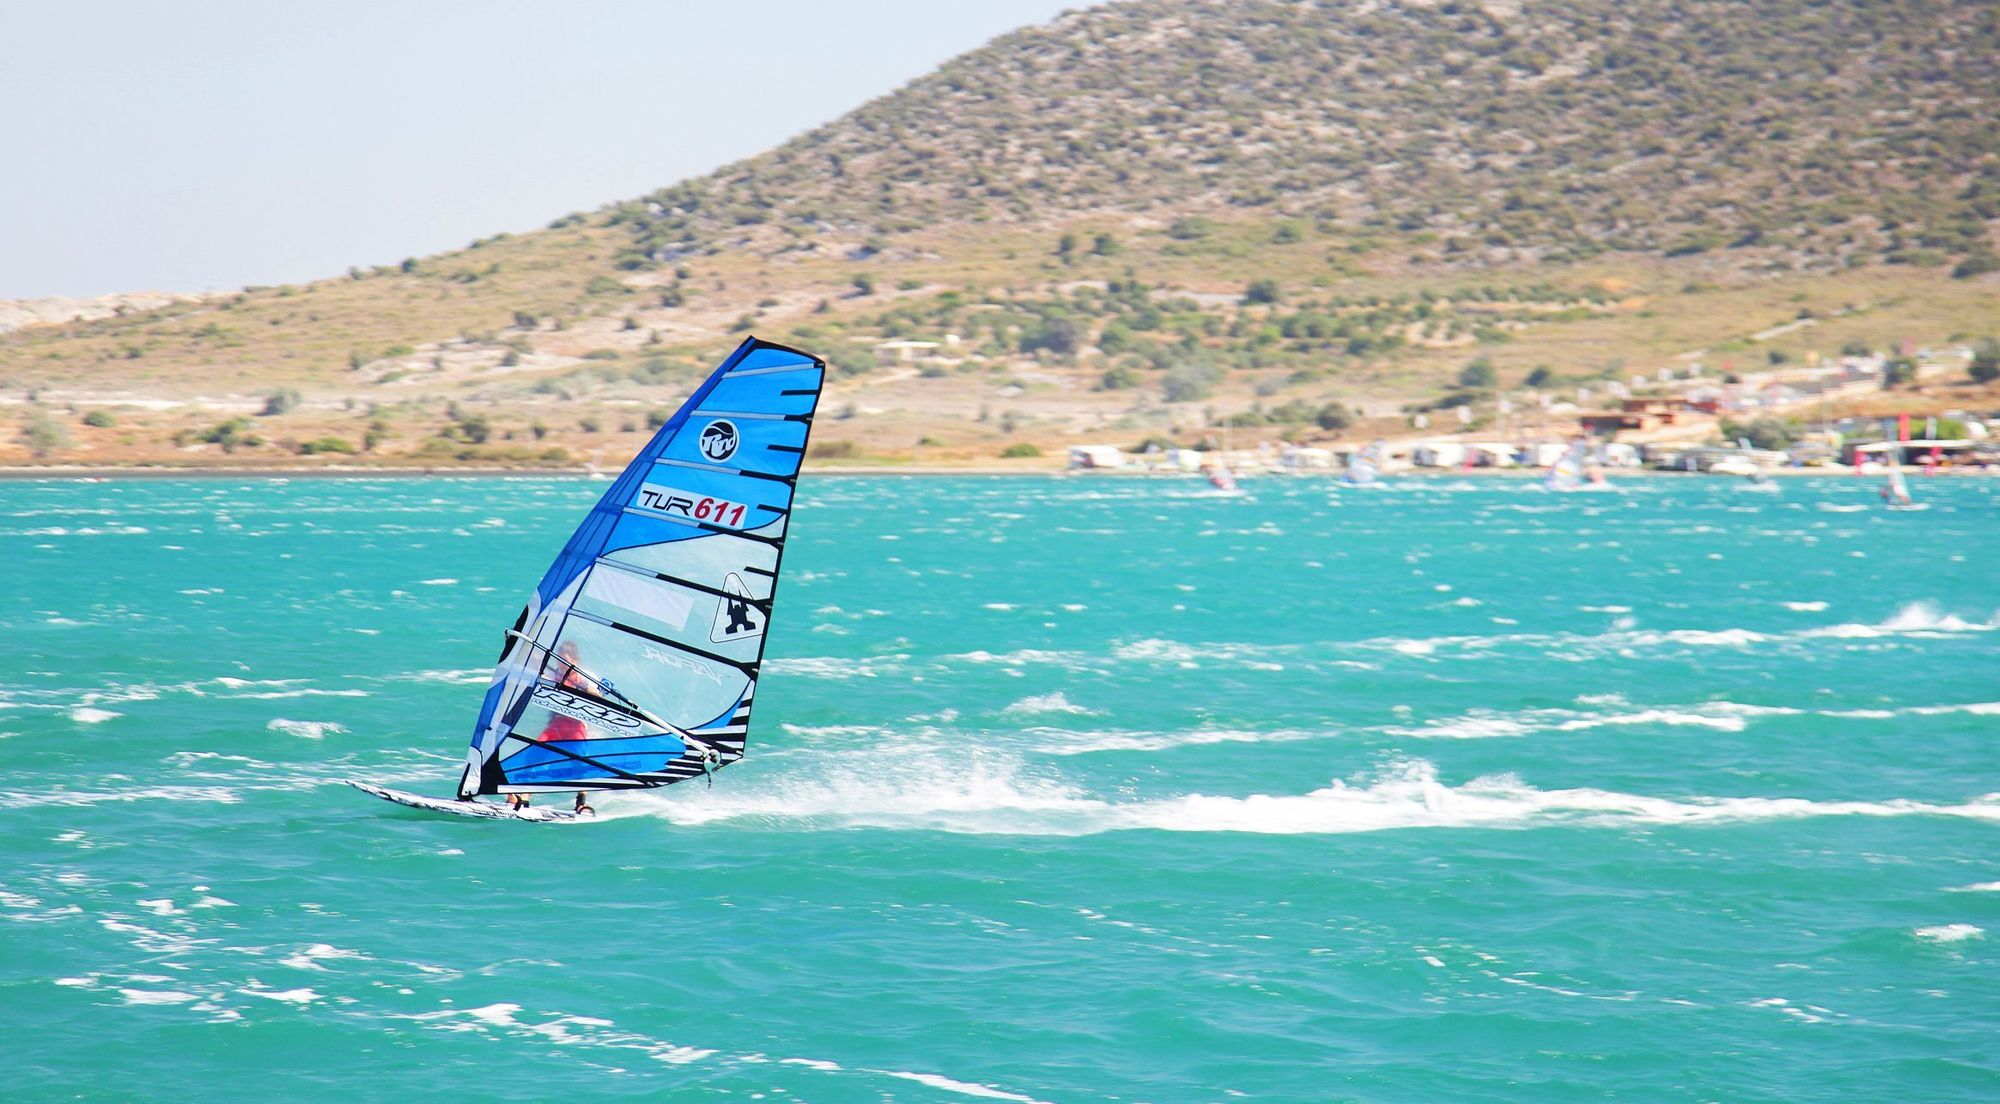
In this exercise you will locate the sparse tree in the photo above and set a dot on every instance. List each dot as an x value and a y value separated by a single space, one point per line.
1334 416
43 435
1261 291
1187 382
282 401
1985 366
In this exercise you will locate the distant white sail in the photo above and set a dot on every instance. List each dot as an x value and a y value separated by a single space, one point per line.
1896 492
1566 474
1366 465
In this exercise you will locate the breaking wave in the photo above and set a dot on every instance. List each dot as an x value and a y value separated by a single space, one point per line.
1045 703
993 794
1913 619
310 730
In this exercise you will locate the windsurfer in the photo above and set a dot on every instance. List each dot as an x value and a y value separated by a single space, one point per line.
583 807
518 801
562 727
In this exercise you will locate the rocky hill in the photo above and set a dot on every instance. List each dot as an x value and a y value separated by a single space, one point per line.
1144 218
1464 133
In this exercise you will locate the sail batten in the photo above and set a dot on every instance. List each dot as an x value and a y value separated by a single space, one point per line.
635 661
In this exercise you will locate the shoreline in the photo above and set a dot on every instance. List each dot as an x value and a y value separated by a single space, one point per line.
20 473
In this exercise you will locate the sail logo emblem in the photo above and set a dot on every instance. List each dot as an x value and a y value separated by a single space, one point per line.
583 709
719 440
735 617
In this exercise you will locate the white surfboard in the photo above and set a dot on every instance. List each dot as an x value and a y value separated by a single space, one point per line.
479 809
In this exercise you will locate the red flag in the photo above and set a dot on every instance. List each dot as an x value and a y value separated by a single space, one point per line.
1903 426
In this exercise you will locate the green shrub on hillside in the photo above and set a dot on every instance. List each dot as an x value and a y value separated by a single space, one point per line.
43 435
1985 366
1188 382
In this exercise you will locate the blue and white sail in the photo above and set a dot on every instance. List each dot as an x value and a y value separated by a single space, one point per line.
635 661
1566 474
1364 466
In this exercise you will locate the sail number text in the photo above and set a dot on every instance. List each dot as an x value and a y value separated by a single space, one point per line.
694 507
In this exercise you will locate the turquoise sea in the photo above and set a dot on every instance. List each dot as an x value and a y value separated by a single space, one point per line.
1059 790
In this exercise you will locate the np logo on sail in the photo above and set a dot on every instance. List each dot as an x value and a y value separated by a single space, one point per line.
719 440
735 617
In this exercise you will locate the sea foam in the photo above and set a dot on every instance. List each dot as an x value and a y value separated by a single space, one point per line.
994 794
1045 703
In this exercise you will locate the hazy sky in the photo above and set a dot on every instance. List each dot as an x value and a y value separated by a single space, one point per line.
210 144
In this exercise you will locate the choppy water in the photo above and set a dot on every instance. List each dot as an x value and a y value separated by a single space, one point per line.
1062 790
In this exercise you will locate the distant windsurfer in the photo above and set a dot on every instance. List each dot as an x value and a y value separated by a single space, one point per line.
560 726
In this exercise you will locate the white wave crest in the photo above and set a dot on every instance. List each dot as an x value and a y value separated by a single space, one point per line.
157 996
1981 709
84 714
311 957
464 677
1913 619
310 730
1701 638
288 996
81 798
1084 743
1019 658
307 692
1950 933
1046 703
1721 716
826 667
993 795
964 1088
558 1029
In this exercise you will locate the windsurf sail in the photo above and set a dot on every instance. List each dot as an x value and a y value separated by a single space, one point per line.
1363 466
1566 474
1897 491
1220 477
635 662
